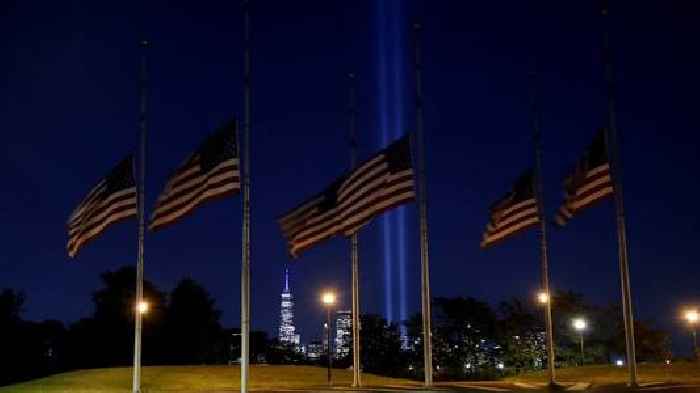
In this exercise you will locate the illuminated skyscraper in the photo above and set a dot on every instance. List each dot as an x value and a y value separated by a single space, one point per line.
287 330
343 333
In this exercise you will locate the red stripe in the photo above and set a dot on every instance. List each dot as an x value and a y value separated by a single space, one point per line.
205 188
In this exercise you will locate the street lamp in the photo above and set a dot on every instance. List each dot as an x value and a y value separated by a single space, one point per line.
693 318
542 297
580 324
328 300
142 307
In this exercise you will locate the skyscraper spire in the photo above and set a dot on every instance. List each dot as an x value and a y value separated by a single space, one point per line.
286 279
287 331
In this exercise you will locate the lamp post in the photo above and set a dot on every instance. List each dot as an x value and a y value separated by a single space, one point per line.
328 300
542 298
693 318
580 324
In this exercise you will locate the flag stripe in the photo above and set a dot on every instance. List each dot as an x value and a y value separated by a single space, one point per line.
514 212
527 222
111 200
117 215
590 182
375 186
211 172
189 191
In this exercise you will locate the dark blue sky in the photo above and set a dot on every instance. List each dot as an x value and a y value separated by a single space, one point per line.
69 109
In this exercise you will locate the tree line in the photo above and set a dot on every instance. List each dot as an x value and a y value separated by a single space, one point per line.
472 339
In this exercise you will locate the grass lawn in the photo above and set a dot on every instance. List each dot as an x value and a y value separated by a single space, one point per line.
685 372
195 378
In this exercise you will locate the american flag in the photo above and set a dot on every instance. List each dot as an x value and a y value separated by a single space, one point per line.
379 184
590 182
514 212
113 199
212 171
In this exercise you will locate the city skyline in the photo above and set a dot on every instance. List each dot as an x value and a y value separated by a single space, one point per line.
477 127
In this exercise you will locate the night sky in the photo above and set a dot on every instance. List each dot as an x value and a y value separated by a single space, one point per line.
69 109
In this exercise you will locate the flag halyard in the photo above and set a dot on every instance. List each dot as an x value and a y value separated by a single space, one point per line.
113 199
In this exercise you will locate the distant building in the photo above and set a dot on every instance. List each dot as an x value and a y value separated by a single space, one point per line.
287 331
343 333
314 350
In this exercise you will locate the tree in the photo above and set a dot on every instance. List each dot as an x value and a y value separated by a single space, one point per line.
29 349
111 329
521 334
463 332
381 346
192 325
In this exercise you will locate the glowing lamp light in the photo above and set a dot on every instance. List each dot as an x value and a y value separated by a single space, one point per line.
692 316
619 362
500 366
579 324
142 307
543 297
328 298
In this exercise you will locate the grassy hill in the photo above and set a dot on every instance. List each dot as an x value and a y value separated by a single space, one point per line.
685 372
194 379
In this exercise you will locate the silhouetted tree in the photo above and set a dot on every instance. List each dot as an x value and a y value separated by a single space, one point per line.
381 346
107 339
521 334
192 325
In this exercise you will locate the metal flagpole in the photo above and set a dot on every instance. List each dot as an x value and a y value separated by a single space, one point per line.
136 383
627 311
245 249
354 251
543 231
423 211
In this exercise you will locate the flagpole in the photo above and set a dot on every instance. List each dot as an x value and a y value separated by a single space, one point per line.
615 172
354 250
245 263
423 211
543 232
138 320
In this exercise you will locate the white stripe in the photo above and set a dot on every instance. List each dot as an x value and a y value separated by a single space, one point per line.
72 250
350 186
514 218
201 183
588 186
490 238
301 209
600 194
358 171
517 206
108 206
369 213
597 170
199 179
89 198
187 208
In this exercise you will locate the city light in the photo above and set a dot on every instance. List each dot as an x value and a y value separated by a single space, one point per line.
619 362
142 307
692 316
543 297
328 298
579 324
